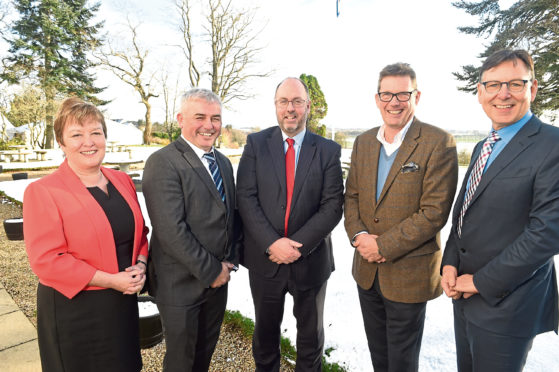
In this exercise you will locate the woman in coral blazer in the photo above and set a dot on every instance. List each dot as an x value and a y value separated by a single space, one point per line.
86 241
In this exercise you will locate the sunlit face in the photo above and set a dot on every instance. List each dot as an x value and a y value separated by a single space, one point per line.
505 107
292 120
396 114
200 122
84 145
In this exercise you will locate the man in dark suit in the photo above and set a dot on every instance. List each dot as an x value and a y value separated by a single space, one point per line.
498 262
399 192
290 196
190 197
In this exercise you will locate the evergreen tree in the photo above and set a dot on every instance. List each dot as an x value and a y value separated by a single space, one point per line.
319 107
49 46
528 24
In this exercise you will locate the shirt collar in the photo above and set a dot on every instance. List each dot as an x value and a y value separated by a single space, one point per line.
389 148
199 152
298 138
509 131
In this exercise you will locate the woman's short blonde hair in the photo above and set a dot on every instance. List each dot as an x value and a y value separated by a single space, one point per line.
74 109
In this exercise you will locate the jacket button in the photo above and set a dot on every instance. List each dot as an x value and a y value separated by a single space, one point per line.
462 250
376 220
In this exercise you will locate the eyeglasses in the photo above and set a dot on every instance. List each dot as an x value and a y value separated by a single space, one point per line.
297 102
400 96
514 86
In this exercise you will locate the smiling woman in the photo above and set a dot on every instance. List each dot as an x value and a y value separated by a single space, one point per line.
86 241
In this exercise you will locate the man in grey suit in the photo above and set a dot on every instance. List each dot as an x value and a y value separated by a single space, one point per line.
190 197
498 262
290 196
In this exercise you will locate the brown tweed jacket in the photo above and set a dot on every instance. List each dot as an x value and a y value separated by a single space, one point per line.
412 208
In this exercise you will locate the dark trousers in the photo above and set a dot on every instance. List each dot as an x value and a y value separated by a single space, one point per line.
480 350
268 295
191 332
394 330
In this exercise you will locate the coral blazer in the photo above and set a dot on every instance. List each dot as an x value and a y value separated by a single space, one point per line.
67 234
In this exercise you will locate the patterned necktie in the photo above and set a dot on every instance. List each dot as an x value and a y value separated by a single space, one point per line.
215 174
289 177
475 176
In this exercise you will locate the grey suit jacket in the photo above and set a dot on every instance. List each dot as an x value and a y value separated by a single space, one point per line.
510 235
193 230
316 206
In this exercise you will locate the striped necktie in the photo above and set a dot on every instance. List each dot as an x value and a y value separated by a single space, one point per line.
215 174
475 176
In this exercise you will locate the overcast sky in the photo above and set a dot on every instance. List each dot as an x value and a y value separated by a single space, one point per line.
344 53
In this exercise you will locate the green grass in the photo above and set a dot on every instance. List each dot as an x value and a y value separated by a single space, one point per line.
288 352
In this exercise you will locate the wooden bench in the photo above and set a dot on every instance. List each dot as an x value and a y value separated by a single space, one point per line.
41 155
124 165
345 168
129 151
9 155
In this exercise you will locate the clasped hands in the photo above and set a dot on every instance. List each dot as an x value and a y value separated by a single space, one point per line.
284 251
366 245
224 276
455 286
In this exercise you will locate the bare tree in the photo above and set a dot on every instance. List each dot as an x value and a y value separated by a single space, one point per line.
170 98
233 47
185 28
129 65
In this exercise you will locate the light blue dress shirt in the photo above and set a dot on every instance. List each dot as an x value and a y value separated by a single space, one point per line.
296 146
507 134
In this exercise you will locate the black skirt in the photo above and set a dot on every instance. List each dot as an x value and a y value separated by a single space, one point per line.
95 331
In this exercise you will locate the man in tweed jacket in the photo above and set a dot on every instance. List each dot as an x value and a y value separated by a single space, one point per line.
399 192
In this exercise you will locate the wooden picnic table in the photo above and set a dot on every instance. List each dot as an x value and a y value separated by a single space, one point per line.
124 165
11 154
40 154
111 145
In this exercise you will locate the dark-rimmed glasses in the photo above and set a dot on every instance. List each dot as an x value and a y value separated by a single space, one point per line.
297 102
515 86
400 96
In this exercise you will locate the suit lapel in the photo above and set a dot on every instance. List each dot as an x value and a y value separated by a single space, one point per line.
226 175
308 149
460 198
91 209
408 146
520 142
370 164
277 154
196 164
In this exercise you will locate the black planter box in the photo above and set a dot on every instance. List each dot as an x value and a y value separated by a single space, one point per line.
14 228
151 330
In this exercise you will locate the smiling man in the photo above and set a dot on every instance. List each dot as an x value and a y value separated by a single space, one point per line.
190 196
498 261
290 196
399 191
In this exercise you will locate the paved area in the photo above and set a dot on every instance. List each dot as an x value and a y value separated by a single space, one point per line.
19 350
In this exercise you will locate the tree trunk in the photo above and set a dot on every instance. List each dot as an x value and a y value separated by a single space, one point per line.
49 119
147 129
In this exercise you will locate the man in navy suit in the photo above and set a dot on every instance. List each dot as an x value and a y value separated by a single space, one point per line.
498 262
287 246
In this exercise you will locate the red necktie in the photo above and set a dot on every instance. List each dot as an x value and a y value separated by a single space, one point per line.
289 177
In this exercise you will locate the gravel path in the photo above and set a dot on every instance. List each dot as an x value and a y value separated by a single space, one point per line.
233 352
